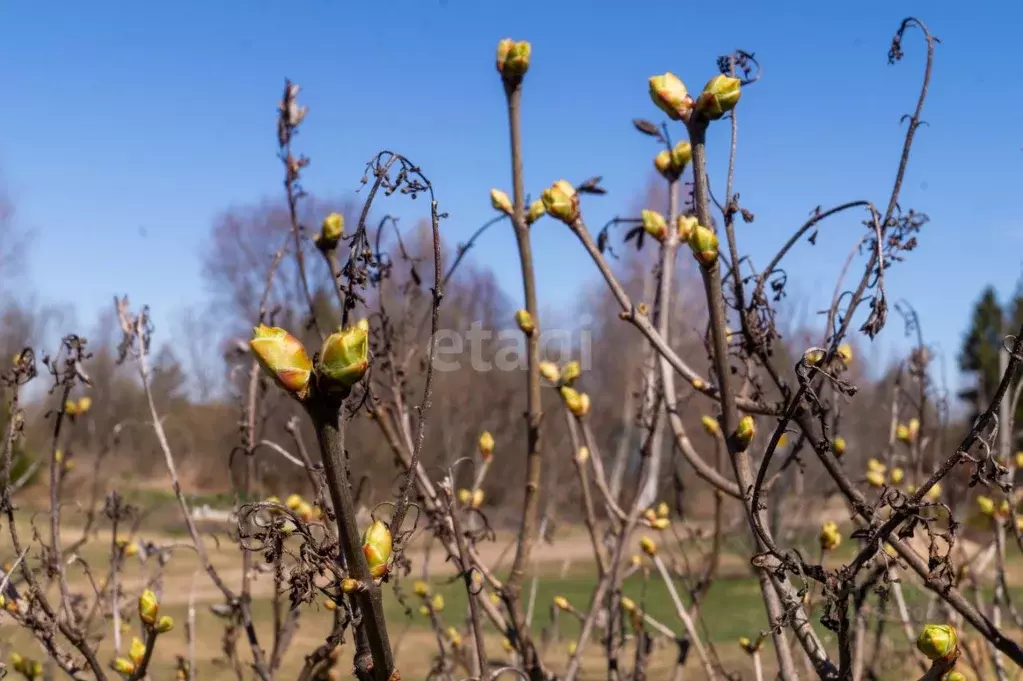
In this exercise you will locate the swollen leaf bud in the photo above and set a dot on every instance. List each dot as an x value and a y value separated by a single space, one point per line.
938 642
710 424
577 403
525 321
464 497
137 651
681 155
670 95
293 502
421 589
437 603
686 226
662 510
628 605
830 537
454 637
283 357
331 231
897 476
570 372
535 212
349 585
719 96
986 505
376 546
550 371
845 353
477 498
704 244
70 407
561 201
123 666
662 161
84 404
953 675
583 455
875 478
149 607
648 546
838 446
513 59
745 431
486 445
500 201
344 359
660 523
561 603
654 224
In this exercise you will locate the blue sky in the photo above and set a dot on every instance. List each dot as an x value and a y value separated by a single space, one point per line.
128 126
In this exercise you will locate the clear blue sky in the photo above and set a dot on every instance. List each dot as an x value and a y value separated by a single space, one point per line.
127 126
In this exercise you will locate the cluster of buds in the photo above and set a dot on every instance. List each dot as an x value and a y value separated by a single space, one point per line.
578 403
342 362
719 96
938 643
703 242
830 538
78 407
30 669
126 548
654 224
876 474
907 433
331 232
658 517
149 613
671 163
472 499
376 547
434 604
303 509
513 60
565 375
561 201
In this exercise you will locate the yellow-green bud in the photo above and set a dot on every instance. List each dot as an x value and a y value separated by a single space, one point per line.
813 356
583 455
376 546
500 201
986 505
70 408
149 607
535 212
660 523
477 498
164 624
550 371
686 226
513 58
745 431
525 322
662 161
464 497
838 445
18 662
561 603
344 359
349 585
454 637
710 424
137 651
704 244
437 603
654 224
283 357
663 511
486 445
938 642
628 605
648 546
561 201
681 155
293 502
331 231
670 95
845 353
123 666
421 589
830 537
577 403
719 96
84 404
953 676
896 476
570 372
